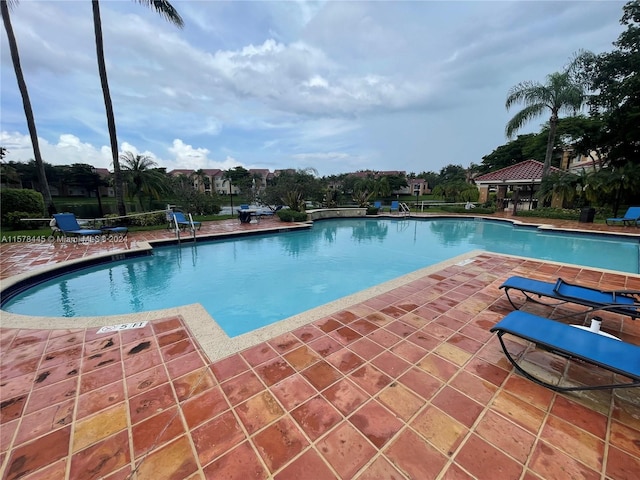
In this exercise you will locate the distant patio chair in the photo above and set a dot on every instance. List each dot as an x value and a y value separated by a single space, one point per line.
270 212
395 206
631 217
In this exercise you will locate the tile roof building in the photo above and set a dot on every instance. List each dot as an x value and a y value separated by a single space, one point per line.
523 179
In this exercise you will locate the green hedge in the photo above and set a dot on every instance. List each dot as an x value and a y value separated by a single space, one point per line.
289 215
21 200
146 220
13 220
547 212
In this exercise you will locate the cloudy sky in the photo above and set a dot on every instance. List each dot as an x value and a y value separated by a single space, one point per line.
338 86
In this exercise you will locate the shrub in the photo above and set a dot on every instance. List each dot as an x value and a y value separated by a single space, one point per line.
547 212
289 215
12 219
372 210
148 219
21 200
202 204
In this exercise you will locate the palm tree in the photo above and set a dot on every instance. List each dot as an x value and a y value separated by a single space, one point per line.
202 180
143 176
559 94
26 102
165 9
562 184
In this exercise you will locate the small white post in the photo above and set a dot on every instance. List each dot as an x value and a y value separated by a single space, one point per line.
595 324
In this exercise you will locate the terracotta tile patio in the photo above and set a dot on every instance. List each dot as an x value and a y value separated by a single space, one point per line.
406 385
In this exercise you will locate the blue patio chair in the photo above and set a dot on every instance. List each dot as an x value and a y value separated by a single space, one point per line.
574 344
395 206
623 302
631 217
378 205
67 224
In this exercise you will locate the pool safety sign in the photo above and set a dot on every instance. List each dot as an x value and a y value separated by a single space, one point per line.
122 326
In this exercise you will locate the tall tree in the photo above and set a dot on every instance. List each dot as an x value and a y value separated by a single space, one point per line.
585 136
166 10
524 147
143 177
26 103
561 93
616 78
293 188
86 175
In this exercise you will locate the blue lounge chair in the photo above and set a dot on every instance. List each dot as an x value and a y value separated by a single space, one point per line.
378 205
632 217
67 224
624 302
395 206
183 222
561 339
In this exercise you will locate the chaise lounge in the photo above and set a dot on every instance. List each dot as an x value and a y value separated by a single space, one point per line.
623 302
631 217
67 224
575 344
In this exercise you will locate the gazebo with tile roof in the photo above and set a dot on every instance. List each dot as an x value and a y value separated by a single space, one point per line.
523 179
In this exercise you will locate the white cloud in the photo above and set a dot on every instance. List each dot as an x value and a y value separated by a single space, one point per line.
186 156
68 150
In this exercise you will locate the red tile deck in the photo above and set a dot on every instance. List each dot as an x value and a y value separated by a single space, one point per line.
406 385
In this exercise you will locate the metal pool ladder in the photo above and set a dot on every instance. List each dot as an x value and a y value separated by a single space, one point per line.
176 228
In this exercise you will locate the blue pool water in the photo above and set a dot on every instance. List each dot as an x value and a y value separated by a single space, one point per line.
246 283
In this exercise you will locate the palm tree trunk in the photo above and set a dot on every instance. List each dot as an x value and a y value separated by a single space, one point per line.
553 125
111 123
26 102
99 197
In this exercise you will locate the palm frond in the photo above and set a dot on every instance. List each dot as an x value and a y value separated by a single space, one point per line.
522 93
524 116
165 10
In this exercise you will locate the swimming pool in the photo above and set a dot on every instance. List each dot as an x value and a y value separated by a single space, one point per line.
246 283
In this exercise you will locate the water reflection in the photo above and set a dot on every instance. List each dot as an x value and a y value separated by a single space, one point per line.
297 243
370 230
453 233
330 234
66 300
